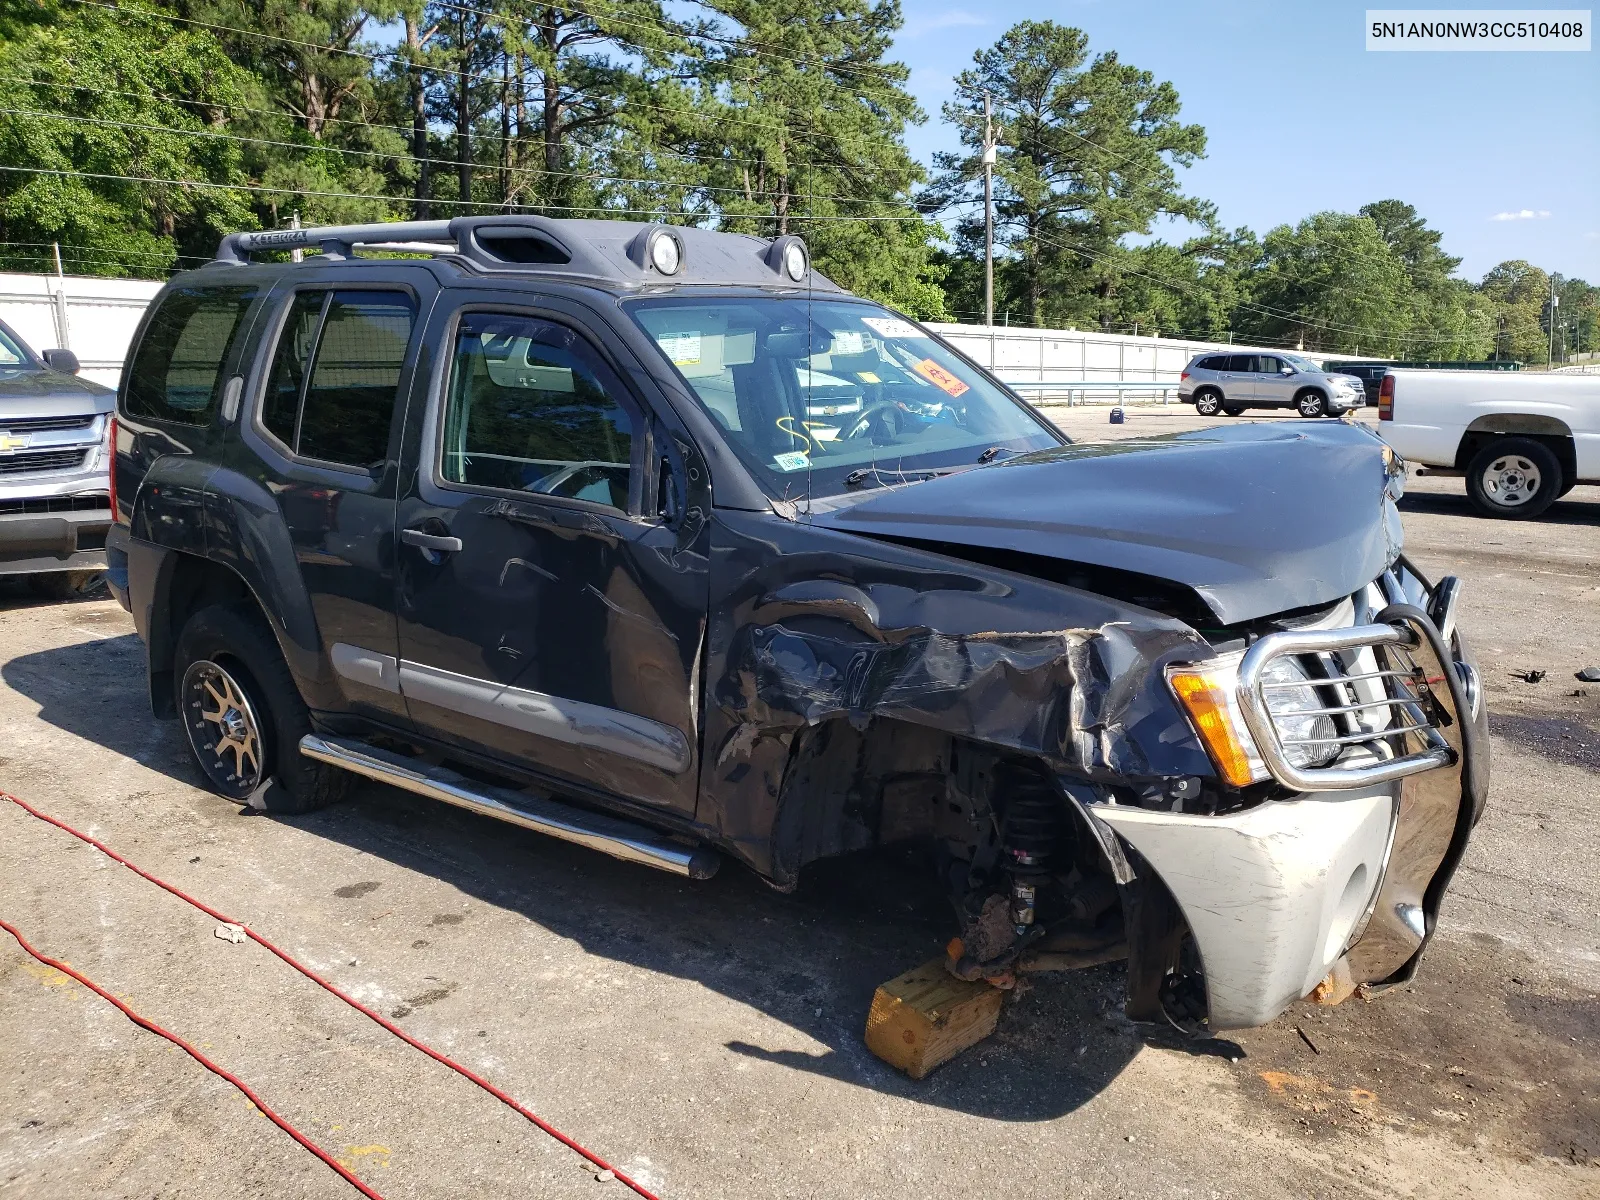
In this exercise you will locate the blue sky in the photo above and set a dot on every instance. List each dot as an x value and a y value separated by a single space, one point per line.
1300 117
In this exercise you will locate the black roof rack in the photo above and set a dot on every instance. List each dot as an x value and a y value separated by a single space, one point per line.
617 252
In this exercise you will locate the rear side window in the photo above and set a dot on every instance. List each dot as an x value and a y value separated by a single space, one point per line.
177 371
1241 362
1217 362
532 408
336 375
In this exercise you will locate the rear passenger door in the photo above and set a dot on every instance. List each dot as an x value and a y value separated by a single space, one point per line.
1238 378
1272 386
323 430
549 617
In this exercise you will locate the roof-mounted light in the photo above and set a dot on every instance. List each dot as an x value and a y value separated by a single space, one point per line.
788 256
666 253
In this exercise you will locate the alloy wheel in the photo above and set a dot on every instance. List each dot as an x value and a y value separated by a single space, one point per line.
224 730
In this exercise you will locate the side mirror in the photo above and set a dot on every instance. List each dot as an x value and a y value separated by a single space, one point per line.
64 361
1286 371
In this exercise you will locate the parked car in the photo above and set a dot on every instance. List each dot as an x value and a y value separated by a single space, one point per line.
1233 383
1521 440
55 506
550 513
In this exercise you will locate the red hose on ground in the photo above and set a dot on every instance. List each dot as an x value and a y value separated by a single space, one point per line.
494 1091
146 1023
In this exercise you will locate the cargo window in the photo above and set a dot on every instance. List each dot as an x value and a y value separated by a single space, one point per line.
177 370
336 375
532 408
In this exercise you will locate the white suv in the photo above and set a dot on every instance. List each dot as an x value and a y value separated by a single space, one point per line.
1231 383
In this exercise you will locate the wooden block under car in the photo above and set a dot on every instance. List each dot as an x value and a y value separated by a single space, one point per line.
927 1017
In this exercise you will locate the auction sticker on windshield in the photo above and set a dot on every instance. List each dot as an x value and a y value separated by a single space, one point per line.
939 377
682 348
794 460
893 327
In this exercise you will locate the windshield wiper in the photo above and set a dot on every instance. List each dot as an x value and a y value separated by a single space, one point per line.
915 475
994 452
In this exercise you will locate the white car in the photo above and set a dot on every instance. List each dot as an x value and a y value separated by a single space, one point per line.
1521 440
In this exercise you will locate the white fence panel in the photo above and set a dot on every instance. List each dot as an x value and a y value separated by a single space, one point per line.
93 317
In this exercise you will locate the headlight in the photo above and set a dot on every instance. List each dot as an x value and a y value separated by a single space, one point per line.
1208 694
1292 709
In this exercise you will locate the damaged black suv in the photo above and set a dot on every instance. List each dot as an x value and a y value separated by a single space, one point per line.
662 522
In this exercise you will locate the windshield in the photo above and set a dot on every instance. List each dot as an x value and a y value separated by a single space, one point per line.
11 353
1301 364
817 396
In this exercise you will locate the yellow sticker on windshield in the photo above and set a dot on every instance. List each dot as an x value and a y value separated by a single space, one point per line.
868 377
939 377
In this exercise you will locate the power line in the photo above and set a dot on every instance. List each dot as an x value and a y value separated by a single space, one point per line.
405 157
603 211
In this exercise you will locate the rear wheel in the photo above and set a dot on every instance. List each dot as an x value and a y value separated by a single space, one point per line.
1310 404
1207 403
1514 478
244 716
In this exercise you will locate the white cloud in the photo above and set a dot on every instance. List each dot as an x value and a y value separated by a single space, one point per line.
1522 214
954 18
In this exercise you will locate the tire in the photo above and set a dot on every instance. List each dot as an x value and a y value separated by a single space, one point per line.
1234 410
1207 403
1514 479
244 716
67 585
1310 404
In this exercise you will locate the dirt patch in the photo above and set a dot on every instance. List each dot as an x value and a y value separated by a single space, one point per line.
1481 1046
431 996
354 891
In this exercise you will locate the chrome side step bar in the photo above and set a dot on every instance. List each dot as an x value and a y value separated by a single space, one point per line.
610 835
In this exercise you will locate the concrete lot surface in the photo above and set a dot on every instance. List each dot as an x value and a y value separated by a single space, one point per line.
707 1037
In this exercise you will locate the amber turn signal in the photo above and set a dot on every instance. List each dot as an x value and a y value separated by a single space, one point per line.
1205 699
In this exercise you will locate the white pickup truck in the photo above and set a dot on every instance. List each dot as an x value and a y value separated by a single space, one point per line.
1521 440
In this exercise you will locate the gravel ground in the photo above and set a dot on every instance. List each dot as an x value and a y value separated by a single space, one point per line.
706 1037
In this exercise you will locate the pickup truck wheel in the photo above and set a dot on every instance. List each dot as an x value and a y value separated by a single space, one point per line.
1514 478
1207 404
244 716
1310 404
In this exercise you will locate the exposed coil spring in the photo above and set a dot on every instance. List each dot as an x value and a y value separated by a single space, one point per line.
1031 827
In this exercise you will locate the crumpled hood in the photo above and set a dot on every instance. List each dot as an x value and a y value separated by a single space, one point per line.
1256 518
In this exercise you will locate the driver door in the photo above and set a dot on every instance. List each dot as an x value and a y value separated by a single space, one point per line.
546 619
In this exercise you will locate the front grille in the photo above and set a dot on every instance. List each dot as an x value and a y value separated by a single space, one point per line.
31 461
44 424
43 506
1383 692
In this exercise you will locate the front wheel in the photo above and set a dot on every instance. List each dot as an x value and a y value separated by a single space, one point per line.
244 716
1208 404
1310 404
1514 478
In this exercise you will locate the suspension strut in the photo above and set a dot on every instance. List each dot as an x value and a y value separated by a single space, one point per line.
1030 834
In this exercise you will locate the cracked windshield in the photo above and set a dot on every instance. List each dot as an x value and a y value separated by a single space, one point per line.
822 396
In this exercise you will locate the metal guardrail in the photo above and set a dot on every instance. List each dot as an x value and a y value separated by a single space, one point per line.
1085 387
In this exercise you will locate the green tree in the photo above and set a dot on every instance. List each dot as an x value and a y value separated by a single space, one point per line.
1330 283
1088 155
146 102
1517 293
798 125
1448 320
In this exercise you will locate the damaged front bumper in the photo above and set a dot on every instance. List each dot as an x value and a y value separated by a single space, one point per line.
1343 878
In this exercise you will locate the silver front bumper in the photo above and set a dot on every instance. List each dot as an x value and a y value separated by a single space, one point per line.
1348 874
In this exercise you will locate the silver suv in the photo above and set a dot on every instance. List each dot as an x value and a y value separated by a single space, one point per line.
1231 383
55 477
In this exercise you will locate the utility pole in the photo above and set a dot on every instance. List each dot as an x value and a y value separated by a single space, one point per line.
988 213
1555 303
294 223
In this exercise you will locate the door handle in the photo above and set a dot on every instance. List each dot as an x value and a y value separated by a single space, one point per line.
430 541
